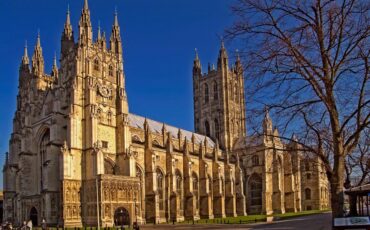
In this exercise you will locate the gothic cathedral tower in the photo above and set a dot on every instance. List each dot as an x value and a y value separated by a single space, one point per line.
219 103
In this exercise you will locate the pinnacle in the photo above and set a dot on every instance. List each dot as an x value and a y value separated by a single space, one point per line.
86 5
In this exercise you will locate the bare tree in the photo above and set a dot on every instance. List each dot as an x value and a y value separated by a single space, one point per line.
308 61
358 163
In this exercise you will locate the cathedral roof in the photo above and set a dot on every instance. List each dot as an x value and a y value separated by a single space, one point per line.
137 121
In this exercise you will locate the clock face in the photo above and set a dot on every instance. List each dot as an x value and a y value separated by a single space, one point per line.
104 91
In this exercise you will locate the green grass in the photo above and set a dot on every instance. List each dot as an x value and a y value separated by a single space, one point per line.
230 220
252 218
297 214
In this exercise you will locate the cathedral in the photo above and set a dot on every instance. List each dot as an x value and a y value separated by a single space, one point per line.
78 157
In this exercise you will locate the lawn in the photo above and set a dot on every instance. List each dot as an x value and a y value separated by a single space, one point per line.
253 218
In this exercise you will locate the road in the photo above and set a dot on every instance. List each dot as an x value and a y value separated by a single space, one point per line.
312 222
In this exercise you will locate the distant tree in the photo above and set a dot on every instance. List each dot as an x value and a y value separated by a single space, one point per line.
308 62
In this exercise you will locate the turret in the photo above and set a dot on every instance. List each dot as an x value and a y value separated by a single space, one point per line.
67 35
197 69
223 60
38 59
84 26
24 67
238 65
267 123
115 38
54 69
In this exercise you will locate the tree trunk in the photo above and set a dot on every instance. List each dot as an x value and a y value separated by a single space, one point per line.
337 189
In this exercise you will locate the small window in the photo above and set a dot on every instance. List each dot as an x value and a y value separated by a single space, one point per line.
104 144
308 176
308 194
255 160
96 64
110 70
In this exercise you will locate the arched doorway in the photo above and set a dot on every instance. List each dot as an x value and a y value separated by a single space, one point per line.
33 216
121 217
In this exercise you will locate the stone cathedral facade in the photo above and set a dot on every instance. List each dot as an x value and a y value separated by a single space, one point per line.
78 157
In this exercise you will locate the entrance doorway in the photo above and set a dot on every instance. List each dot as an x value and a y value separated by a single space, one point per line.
121 217
33 216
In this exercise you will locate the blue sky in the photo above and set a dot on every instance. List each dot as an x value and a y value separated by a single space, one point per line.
159 38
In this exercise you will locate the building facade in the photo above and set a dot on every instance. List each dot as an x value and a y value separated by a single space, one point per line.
78 157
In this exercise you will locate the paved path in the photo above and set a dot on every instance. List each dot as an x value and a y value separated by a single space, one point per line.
311 222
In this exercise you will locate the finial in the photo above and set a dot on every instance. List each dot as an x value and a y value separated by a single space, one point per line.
115 16
68 21
25 49
237 55
99 34
38 38
222 43
55 59
196 54
86 5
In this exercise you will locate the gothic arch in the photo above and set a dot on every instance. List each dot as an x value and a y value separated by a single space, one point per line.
41 132
109 166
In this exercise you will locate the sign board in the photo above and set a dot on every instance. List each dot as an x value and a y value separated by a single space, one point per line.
352 221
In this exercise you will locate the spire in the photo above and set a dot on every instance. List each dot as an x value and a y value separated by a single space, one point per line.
99 33
37 58
84 25
115 38
25 59
238 63
67 32
222 56
267 122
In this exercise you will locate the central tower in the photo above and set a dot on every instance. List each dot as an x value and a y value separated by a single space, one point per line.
219 104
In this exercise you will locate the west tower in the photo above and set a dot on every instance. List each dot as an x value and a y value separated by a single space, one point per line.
219 104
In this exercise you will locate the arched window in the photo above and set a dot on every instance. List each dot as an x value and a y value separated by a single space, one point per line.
206 93
307 192
255 192
215 91
160 188
179 188
96 64
43 145
195 190
207 128
110 70
255 160
43 155
217 129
